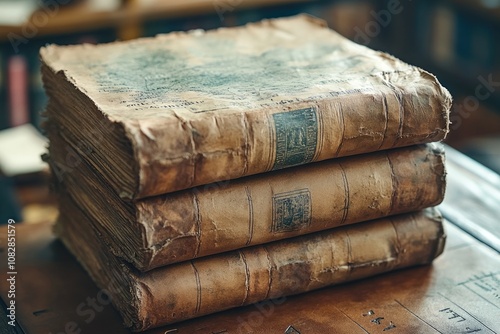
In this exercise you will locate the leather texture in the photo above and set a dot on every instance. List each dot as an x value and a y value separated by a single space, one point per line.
282 268
162 114
216 218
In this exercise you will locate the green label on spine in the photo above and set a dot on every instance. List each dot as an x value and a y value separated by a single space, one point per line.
291 210
296 137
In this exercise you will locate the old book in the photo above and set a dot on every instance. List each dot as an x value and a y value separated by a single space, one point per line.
415 300
193 288
157 115
219 217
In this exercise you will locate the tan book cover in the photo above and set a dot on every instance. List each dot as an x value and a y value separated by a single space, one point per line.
157 115
253 210
194 288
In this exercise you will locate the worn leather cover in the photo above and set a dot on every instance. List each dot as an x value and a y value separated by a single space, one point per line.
194 288
157 115
220 217
458 293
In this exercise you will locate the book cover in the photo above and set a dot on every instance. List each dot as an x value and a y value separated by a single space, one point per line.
184 109
253 210
219 282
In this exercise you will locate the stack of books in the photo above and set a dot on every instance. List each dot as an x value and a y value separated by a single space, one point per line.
200 171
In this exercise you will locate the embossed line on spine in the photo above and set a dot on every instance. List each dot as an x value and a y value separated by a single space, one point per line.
247 277
346 194
386 111
399 97
198 287
188 127
321 133
246 128
196 204
341 119
272 142
397 245
394 183
250 216
349 252
270 271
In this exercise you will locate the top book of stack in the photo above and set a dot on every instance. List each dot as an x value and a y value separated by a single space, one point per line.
157 115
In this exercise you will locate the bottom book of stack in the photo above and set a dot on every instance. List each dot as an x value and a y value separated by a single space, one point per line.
218 282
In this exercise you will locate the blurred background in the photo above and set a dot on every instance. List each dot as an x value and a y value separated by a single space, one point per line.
458 40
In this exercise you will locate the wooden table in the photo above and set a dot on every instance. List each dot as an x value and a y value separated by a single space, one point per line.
459 293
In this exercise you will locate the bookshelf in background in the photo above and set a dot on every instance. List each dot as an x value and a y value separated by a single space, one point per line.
455 39
23 97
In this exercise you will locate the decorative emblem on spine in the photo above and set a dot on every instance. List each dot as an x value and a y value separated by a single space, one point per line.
291 210
296 137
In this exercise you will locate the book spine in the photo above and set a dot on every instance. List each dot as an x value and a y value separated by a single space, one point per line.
221 217
174 153
211 284
369 101
4 114
442 34
18 90
218 217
